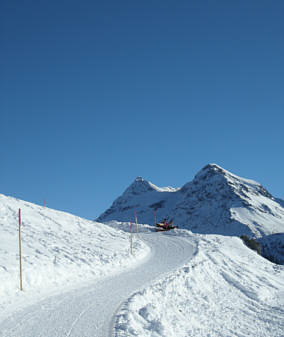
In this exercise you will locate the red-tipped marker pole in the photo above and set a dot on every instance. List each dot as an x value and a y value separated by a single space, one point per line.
20 251
135 216
131 250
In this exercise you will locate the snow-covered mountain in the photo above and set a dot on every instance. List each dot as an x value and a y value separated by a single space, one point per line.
215 202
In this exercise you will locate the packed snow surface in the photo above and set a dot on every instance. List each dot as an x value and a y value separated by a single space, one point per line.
225 290
80 280
89 311
60 251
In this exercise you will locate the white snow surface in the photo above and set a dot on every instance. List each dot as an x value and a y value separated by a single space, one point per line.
225 290
60 252
81 281
89 311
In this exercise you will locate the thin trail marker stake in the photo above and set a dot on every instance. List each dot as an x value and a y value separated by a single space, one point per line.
20 251
155 218
135 215
131 251
44 202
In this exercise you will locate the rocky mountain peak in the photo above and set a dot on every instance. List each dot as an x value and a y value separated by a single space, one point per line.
210 180
139 186
215 201
215 177
213 168
211 171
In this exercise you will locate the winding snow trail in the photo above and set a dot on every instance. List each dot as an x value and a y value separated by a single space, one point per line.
90 312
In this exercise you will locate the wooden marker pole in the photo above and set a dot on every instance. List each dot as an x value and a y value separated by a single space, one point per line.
135 215
131 245
20 251
155 218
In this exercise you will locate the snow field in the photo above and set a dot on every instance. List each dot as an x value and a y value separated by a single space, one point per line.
225 290
60 252
90 311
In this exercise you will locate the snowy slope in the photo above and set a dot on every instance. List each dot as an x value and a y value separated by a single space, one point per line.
215 202
89 311
60 251
225 290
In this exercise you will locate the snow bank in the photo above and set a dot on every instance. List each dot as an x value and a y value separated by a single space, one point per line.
60 252
225 290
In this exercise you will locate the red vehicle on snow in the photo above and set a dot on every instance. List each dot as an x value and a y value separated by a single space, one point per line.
165 225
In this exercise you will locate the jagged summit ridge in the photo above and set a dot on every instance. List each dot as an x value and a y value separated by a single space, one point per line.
214 174
215 201
141 185
211 171
212 168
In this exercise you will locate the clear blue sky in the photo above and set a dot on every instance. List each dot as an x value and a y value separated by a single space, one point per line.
95 93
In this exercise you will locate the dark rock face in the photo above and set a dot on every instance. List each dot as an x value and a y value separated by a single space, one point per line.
272 247
280 202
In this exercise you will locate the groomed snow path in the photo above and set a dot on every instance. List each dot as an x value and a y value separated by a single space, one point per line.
90 312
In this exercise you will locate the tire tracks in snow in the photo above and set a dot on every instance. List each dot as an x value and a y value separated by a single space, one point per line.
90 311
